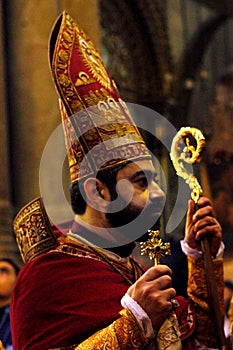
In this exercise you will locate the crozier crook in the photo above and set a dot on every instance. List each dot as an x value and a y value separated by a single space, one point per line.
189 154
182 151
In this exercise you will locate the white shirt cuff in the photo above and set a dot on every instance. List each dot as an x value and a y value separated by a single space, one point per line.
194 253
140 315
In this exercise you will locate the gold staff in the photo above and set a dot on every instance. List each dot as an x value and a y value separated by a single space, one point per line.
183 151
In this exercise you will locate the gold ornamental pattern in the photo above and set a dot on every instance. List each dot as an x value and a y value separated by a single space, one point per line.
99 130
93 61
124 333
71 35
197 291
60 66
33 231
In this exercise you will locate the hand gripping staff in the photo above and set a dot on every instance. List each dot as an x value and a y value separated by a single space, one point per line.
182 151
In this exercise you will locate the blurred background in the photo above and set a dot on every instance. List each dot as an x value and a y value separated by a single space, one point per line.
175 57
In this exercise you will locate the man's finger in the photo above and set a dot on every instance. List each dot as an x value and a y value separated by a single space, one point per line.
155 272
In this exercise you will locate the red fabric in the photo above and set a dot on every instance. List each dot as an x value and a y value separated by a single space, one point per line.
70 293
59 300
186 317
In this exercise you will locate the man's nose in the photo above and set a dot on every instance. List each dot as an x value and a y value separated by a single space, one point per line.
155 192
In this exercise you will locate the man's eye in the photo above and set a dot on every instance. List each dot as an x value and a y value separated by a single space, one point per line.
143 181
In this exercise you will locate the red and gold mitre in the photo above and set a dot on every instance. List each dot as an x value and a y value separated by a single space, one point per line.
99 130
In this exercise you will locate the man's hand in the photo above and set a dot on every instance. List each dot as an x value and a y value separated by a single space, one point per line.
153 292
202 223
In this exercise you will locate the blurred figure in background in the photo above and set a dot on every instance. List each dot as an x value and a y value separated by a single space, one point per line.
8 273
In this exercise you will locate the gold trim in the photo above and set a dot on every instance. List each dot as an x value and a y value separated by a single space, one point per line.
2 347
197 291
124 333
70 34
34 234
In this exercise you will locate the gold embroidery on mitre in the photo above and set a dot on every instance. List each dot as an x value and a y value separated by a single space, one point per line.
93 60
108 133
61 62
83 79
76 154
70 35
92 98
33 231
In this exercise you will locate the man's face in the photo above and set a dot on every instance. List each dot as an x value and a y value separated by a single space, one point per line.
7 280
139 192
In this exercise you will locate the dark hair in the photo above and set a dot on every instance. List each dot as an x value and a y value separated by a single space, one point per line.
108 177
12 263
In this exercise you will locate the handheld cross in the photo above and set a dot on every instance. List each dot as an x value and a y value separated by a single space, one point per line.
155 247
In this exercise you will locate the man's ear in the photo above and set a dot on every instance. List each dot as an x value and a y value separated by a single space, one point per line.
96 191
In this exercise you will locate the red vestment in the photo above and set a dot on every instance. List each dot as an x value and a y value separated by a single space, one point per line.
63 297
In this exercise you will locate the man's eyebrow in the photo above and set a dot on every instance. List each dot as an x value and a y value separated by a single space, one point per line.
148 173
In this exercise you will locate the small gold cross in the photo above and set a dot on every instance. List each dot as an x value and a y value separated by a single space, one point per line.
155 247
